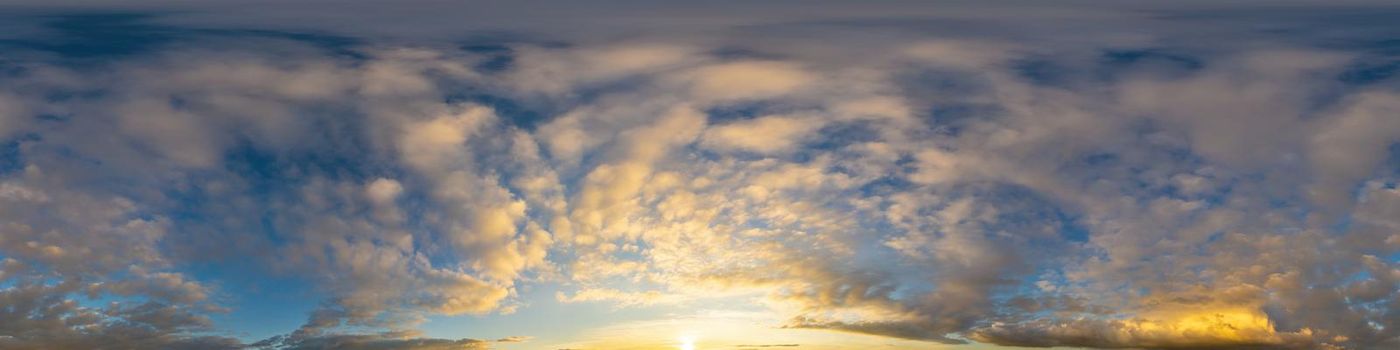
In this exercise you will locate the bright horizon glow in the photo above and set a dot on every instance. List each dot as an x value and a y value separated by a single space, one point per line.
687 343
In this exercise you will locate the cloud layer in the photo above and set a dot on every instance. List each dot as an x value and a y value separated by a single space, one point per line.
1092 179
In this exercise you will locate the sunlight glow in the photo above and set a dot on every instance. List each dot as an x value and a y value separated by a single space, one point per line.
687 343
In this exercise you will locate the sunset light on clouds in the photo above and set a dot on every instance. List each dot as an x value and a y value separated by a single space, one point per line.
767 175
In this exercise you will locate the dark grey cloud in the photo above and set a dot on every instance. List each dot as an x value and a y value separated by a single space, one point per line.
383 341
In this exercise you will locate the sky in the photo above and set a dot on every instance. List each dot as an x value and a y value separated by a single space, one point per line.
545 175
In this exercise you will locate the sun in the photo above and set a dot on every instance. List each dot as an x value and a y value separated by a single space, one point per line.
687 343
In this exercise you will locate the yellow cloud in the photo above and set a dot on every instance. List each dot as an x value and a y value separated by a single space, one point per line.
763 135
748 80
1186 328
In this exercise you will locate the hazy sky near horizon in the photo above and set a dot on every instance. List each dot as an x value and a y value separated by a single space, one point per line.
699 175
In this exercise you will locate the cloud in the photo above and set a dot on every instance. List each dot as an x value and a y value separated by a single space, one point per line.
514 339
381 341
42 315
1042 185
559 71
747 80
1207 329
11 115
1351 148
761 135
621 298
